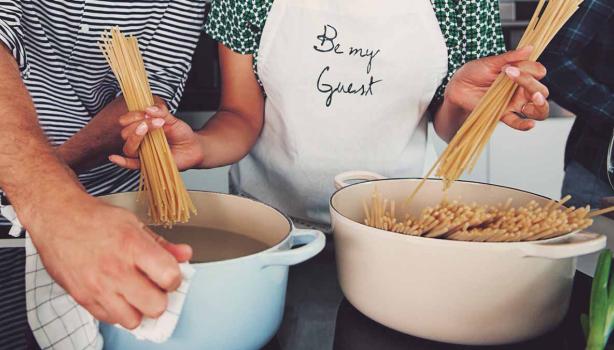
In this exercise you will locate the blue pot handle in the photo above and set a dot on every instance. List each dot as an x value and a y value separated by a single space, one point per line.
313 240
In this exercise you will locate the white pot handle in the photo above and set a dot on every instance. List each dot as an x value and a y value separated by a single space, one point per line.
341 179
578 244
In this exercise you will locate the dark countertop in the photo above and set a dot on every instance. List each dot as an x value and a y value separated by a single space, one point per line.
319 317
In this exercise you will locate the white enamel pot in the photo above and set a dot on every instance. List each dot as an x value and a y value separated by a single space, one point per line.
457 292
234 304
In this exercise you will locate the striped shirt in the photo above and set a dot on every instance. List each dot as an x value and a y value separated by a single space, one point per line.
55 44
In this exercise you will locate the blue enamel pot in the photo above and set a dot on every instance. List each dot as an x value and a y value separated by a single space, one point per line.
236 303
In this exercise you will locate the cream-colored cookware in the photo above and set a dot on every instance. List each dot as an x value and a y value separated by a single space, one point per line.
473 293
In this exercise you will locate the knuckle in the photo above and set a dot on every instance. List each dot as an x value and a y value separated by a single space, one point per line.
541 114
127 149
123 120
125 133
128 238
111 266
135 116
131 320
128 118
541 70
526 78
521 79
158 307
170 279
93 288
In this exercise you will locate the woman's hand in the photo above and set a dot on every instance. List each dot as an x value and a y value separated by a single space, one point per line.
472 80
185 145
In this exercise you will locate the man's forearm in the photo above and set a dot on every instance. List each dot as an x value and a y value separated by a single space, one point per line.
100 138
30 171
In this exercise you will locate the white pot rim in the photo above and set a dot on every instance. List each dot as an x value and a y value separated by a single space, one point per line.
439 240
275 247
449 242
570 245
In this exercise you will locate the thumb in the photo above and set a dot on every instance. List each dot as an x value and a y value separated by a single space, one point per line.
509 57
181 252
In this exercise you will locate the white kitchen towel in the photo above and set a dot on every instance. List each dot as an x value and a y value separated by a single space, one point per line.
58 322
9 213
158 330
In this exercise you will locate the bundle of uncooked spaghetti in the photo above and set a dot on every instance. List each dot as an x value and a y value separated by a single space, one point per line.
169 202
482 223
465 148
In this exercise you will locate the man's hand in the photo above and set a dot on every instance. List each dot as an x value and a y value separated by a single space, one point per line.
108 260
100 138
102 255
91 146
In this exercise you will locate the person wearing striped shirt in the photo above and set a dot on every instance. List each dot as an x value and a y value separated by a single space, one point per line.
59 107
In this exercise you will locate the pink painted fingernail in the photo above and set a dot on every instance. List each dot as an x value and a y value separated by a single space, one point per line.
539 99
141 129
158 122
152 109
512 72
147 116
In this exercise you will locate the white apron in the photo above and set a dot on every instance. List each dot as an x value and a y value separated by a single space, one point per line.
347 83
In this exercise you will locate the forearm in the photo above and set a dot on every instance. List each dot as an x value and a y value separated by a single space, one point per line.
448 119
30 171
227 138
100 138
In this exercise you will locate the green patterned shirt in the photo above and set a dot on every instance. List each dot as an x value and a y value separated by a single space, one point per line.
472 28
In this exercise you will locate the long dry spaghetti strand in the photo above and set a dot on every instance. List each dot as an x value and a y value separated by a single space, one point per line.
169 201
467 145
